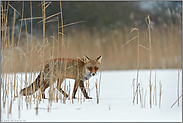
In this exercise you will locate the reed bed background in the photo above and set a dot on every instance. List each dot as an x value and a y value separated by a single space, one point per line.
166 49
28 47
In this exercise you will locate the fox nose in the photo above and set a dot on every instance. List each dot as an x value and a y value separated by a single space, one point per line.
93 74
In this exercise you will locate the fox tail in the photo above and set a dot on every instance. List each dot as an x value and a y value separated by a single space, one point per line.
33 87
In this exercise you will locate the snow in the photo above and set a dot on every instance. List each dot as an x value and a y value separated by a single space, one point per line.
115 102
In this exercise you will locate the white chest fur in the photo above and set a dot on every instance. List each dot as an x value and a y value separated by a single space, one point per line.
87 75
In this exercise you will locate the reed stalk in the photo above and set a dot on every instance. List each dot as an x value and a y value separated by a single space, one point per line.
155 91
160 93
19 107
133 88
31 55
97 94
21 24
37 107
148 21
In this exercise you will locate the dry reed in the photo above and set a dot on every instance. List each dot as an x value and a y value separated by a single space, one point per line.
136 89
155 93
176 101
160 93
148 21
97 91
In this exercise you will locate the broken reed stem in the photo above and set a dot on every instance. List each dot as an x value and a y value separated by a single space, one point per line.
176 101
148 21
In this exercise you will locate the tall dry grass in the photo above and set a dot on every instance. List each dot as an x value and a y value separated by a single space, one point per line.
166 49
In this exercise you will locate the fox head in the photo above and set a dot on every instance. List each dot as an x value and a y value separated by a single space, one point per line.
92 65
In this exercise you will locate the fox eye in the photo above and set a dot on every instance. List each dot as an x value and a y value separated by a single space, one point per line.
90 68
96 68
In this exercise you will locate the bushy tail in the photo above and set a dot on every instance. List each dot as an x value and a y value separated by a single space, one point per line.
33 87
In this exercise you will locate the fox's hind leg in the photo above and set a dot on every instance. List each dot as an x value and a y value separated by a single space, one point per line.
59 82
76 84
45 86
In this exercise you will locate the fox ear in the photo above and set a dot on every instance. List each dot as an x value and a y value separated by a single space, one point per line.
86 59
99 59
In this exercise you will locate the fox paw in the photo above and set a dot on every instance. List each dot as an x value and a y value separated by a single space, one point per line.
88 97
74 98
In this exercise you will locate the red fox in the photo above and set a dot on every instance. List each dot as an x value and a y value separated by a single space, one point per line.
61 68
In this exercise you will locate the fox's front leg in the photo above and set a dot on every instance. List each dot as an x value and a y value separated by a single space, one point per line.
81 84
60 81
43 88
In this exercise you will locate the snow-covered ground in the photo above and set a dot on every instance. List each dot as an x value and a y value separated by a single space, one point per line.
115 103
